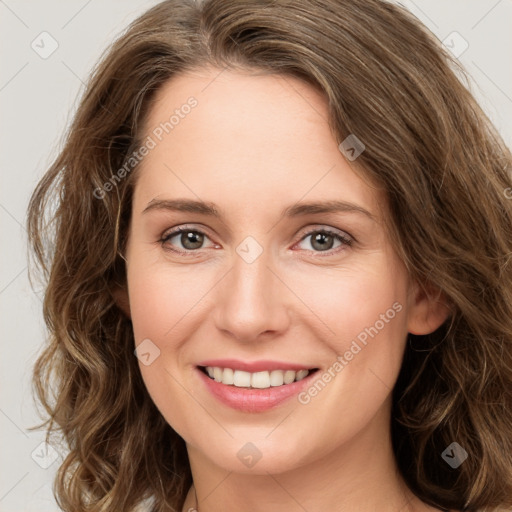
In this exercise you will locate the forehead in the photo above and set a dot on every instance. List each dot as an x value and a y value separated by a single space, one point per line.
257 139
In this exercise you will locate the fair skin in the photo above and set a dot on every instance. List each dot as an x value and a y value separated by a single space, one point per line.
255 145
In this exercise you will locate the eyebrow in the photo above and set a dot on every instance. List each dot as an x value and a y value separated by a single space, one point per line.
295 210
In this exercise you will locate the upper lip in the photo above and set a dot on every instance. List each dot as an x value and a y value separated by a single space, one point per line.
254 366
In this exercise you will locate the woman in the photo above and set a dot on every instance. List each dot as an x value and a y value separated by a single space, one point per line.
296 217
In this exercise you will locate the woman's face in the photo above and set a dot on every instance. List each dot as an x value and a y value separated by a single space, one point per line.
264 284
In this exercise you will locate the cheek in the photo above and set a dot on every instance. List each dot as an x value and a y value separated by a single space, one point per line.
349 302
364 311
161 297
161 303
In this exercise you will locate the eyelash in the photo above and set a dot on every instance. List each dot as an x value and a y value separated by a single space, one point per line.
345 241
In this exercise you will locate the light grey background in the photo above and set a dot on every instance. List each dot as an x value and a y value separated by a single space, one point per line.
37 99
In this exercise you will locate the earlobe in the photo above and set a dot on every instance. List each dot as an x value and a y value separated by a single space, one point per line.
428 310
122 300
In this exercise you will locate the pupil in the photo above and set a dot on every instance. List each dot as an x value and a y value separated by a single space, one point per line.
320 238
189 239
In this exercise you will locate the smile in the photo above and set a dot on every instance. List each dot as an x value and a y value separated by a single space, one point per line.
253 387
258 380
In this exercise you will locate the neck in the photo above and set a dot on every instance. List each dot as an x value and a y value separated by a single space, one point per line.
359 475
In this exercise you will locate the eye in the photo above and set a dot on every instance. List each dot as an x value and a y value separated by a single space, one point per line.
322 240
190 239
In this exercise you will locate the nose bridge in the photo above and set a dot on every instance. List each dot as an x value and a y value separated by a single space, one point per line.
250 302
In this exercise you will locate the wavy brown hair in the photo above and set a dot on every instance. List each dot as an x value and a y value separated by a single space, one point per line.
444 169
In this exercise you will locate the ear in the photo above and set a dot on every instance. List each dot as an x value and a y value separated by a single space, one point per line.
428 309
122 300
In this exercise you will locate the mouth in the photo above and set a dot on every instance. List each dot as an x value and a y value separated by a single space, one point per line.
256 380
255 391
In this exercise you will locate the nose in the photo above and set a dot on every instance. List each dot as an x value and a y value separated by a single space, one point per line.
252 303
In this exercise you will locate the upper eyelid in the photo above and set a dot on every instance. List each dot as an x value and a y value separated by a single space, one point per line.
177 229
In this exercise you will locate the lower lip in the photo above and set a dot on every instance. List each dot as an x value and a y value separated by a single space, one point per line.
253 399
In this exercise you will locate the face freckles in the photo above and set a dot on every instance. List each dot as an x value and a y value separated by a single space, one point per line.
251 148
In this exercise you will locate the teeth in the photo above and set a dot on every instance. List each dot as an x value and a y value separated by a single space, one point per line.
259 380
241 379
276 378
228 376
289 376
301 374
217 374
